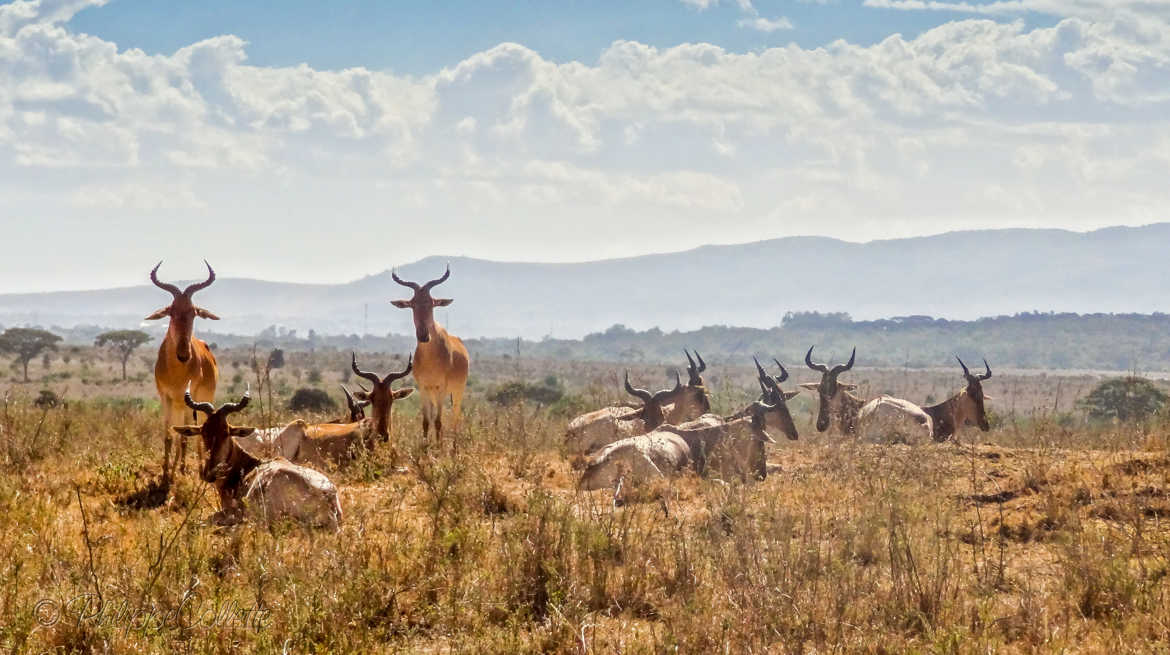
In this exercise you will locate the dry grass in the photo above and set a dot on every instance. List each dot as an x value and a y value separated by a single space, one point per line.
1039 538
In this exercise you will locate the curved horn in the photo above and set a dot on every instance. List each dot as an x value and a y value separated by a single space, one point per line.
841 368
760 369
349 401
692 369
363 387
702 364
172 289
231 408
678 386
783 371
411 285
809 362
198 286
360 373
206 408
985 376
966 373
436 282
390 377
639 393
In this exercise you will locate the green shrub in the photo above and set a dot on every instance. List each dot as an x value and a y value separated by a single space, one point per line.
307 399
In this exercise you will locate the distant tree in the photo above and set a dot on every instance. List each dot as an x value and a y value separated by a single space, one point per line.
123 343
1126 399
26 344
312 400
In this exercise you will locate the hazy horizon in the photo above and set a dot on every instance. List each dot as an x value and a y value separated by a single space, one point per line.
201 271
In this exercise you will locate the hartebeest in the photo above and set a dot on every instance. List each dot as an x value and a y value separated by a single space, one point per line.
598 428
273 490
441 361
730 446
183 361
855 416
333 444
963 408
357 408
593 430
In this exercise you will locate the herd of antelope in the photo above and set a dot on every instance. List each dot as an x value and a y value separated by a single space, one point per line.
274 473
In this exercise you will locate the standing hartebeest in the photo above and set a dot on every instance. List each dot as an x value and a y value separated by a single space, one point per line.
962 408
183 361
440 359
272 489
854 415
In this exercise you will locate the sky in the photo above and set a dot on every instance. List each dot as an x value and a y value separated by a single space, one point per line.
320 142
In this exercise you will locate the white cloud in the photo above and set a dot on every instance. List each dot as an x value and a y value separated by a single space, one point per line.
703 5
766 24
511 155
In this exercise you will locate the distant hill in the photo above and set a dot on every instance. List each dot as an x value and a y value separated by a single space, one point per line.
958 275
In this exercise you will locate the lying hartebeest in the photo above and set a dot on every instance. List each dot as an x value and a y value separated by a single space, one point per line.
598 428
855 416
963 408
357 408
332 444
728 446
591 431
183 361
440 360
272 490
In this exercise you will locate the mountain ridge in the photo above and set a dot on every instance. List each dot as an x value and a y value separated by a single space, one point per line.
958 274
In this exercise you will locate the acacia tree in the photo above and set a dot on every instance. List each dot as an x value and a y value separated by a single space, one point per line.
26 344
1125 399
123 342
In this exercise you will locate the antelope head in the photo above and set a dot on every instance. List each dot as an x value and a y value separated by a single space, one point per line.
422 305
357 408
651 411
216 432
691 400
381 397
182 310
828 388
771 410
972 402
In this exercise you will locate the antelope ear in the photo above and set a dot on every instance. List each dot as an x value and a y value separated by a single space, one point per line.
403 392
361 396
241 431
165 311
203 313
987 397
443 302
812 386
187 430
848 386
789 395
401 304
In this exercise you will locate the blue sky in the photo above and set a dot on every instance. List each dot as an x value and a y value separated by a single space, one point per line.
325 141
420 37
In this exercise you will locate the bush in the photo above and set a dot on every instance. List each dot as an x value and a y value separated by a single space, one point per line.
311 400
47 399
1125 399
546 393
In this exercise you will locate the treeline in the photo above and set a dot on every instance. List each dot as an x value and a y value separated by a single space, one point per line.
1035 340
1032 340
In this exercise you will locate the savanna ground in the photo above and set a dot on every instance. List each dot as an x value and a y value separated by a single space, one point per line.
1044 535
